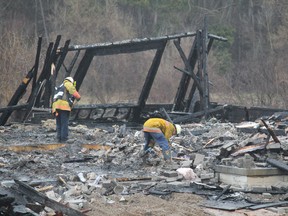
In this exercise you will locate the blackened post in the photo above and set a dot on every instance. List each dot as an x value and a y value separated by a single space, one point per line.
193 89
53 58
149 82
58 65
206 95
200 66
43 75
36 65
83 68
72 63
17 96
185 80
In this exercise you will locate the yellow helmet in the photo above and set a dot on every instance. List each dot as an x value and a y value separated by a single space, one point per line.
70 79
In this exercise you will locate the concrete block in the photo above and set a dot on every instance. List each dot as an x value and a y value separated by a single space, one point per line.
236 189
172 179
178 184
229 145
282 210
170 174
248 157
267 195
240 162
204 176
280 185
186 164
274 146
226 161
199 158
199 132
146 184
258 189
248 164
248 182
247 130
108 184
7 183
158 178
257 171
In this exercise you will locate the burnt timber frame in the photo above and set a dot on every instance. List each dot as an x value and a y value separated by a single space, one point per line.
42 89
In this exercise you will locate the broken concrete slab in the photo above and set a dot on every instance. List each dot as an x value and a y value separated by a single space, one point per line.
249 178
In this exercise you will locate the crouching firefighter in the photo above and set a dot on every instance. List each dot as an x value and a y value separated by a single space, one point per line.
63 101
158 130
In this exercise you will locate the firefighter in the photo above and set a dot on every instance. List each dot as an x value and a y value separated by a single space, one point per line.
63 101
158 130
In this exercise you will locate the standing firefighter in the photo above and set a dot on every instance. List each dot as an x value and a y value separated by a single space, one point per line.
63 101
159 130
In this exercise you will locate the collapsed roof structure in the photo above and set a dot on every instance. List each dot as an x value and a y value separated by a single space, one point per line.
43 85
193 85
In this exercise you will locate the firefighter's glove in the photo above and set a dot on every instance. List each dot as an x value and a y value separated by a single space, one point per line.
151 144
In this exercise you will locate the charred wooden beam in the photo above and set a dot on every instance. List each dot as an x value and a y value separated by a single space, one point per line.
206 96
166 114
58 65
52 59
185 80
63 54
72 63
17 96
223 192
126 48
132 42
193 88
267 205
271 132
277 164
32 101
195 78
43 75
44 200
6 201
149 82
192 116
13 108
83 68
212 36
36 65
101 106
200 64
247 149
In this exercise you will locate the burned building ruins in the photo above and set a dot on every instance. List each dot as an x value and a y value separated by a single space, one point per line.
230 153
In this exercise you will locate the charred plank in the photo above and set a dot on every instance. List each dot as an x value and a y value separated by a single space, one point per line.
44 200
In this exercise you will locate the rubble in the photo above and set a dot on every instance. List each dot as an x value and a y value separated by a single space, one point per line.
211 158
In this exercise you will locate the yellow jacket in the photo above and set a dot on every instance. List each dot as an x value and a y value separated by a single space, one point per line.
62 104
158 125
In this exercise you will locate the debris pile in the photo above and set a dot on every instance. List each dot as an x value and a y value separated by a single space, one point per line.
224 162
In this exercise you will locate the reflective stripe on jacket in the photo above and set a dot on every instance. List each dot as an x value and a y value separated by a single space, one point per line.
62 104
158 125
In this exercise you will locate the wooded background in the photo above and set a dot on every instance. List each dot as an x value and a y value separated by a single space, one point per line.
250 69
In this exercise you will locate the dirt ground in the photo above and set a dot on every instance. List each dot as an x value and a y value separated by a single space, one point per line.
176 204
